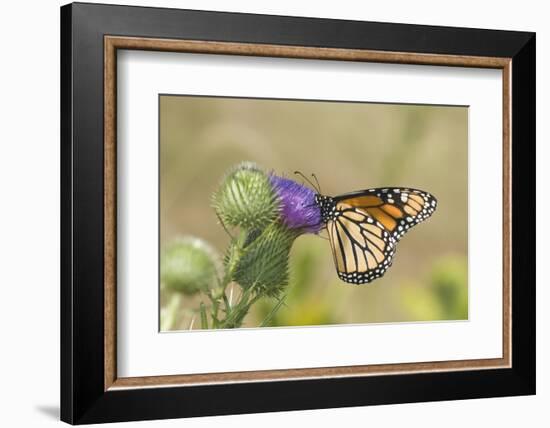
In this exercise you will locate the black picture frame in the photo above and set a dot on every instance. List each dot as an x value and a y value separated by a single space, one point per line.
83 396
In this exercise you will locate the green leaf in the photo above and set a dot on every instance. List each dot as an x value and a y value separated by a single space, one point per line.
273 311
204 320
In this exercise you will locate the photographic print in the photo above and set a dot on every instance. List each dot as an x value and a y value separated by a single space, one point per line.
287 191
281 213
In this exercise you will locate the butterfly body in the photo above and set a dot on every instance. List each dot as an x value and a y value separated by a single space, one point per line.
364 227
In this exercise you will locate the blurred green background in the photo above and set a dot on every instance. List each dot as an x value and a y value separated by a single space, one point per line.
349 146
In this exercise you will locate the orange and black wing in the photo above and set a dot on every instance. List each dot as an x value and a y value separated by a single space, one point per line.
397 209
364 232
362 248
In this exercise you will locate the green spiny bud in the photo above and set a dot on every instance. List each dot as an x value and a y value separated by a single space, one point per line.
188 265
264 260
246 198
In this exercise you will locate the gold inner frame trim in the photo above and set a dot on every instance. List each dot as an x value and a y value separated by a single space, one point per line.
113 43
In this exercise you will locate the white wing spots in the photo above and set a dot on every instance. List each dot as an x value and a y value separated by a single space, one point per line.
426 205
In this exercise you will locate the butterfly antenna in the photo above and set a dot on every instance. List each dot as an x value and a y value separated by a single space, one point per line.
306 179
317 181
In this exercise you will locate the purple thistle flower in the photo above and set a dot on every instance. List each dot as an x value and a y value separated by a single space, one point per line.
298 207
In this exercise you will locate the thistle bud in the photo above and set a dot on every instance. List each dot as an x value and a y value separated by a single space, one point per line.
188 265
263 263
246 198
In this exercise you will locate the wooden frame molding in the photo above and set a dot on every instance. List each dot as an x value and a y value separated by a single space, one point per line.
113 43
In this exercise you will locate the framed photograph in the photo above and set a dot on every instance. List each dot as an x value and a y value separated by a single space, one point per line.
265 213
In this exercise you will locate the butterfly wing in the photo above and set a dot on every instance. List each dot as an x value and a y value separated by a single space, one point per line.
364 232
398 209
361 247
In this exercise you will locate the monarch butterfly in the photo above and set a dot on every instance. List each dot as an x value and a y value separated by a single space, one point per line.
364 227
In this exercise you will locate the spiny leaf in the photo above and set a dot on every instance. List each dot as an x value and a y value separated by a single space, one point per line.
273 311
